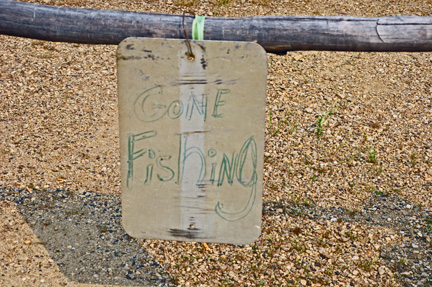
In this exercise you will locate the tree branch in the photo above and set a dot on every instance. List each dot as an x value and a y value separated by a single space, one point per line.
275 34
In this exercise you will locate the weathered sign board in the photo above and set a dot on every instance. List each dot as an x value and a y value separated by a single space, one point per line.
192 139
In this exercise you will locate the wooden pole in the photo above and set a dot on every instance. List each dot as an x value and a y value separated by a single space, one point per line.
276 34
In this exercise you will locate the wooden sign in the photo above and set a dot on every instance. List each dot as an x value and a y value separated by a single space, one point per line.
192 139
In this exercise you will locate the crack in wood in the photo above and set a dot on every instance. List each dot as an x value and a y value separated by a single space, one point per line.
377 31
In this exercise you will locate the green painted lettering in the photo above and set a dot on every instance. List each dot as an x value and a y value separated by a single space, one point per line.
219 102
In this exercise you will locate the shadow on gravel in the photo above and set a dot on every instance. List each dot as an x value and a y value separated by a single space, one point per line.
84 236
411 261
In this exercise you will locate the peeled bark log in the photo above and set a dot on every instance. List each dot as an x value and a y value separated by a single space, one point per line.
276 34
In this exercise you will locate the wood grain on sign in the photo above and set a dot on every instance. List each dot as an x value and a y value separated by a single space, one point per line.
192 139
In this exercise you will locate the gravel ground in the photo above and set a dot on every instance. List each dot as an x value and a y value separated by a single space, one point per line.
83 235
348 177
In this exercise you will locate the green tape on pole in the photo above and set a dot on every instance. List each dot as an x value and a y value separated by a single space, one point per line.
198 28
